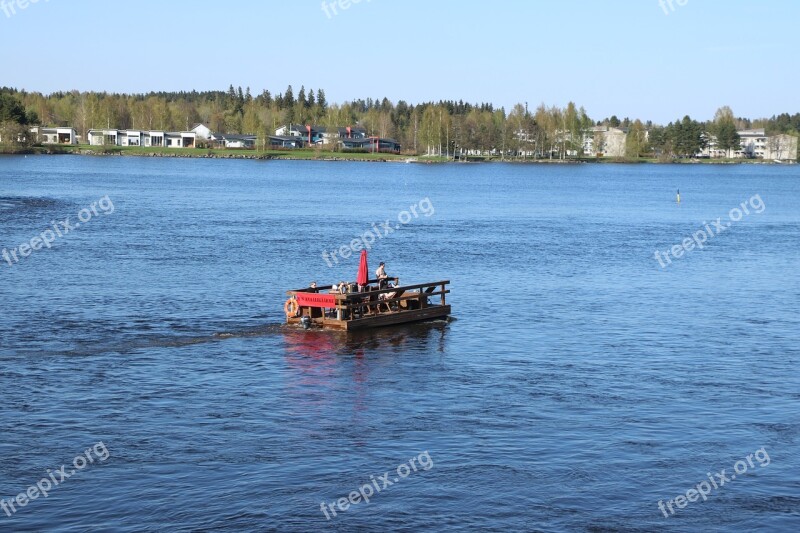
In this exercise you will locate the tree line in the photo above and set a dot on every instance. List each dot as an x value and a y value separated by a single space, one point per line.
428 127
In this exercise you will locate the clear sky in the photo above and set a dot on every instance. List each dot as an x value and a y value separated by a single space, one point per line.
631 58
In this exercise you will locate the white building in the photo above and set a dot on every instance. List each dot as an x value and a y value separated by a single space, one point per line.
131 138
102 137
154 138
319 134
292 130
227 140
605 140
65 135
753 144
781 147
202 131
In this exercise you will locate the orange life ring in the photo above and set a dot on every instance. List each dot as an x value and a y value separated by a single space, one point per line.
291 308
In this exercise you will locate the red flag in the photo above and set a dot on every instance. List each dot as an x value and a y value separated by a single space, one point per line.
363 269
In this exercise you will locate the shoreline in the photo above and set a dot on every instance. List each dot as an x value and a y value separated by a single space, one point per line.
308 155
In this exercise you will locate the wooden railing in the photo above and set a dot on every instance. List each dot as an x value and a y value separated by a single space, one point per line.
353 304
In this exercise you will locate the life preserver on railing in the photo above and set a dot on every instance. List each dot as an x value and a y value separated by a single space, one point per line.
291 308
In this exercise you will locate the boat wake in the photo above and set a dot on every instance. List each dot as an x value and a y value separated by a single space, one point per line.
126 344
293 336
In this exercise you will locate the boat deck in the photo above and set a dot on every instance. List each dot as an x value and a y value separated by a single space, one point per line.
370 308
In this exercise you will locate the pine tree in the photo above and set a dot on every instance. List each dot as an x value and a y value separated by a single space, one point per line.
724 129
323 104
288 98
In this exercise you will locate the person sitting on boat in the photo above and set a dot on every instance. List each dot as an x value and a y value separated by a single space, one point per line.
312 287
388 295
382 276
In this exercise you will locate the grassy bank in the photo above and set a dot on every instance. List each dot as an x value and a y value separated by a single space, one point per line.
143 151
311 154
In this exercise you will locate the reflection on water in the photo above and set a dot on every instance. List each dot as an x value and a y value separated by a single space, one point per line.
319 361
318 343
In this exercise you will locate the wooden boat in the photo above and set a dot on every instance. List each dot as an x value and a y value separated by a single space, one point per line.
369 308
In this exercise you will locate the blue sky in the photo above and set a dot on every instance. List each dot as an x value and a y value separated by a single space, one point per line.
626 57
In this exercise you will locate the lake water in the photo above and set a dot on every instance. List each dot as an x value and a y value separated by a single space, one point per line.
578 384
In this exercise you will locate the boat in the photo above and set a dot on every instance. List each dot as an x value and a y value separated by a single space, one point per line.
366 306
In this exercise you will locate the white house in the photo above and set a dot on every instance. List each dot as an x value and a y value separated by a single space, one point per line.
130 138
180 139
153 138
202 131
65 135
292 130
102 137
228 140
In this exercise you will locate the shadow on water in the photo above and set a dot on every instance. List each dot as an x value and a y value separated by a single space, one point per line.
23 205
315 341
23 202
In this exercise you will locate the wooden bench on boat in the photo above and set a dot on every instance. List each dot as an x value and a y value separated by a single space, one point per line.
367 309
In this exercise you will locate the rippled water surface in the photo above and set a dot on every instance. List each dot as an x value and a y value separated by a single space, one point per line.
578 383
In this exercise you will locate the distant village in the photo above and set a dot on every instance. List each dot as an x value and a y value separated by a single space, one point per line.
238 120
600 141
200 136
754 144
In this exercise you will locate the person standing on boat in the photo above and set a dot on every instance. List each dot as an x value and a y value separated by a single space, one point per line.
381 275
